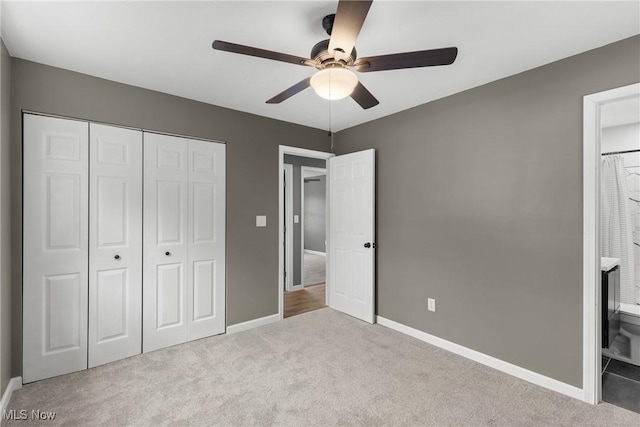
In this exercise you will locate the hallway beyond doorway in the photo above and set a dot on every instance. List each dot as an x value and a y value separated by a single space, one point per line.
314 269
308 299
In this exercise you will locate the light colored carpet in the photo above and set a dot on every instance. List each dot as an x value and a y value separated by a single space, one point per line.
314 269
319 368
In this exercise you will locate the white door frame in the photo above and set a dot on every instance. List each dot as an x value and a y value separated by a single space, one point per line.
592 324
288 217
294 151
304 169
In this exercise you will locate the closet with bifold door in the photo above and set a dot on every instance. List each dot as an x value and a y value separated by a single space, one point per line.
123 232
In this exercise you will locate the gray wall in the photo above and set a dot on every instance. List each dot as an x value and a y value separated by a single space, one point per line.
479 205
315 226
252 170
5 220
297 162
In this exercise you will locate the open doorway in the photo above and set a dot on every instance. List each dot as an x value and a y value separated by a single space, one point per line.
619 251
350 231
304 225
611 247
305 234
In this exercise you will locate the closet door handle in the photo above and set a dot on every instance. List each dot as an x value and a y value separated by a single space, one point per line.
167 253
117 257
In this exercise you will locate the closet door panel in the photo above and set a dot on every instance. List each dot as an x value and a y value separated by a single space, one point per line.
115 253
112 314
206 234
170 290
165 241
170 198
55 246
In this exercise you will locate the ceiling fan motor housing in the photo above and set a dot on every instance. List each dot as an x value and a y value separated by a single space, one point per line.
323 59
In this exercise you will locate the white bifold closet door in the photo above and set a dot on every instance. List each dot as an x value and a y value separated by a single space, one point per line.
115 243
206 232
82 254
55 240
184 240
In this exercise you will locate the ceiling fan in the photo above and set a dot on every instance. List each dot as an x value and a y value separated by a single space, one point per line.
333 58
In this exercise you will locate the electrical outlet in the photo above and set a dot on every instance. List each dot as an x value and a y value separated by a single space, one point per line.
431 304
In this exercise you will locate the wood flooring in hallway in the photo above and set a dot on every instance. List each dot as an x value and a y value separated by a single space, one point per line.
308 299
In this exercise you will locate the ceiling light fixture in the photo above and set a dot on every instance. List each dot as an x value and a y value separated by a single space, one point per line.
334 56
334 83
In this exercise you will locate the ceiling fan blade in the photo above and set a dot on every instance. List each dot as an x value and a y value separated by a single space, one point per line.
346 27
363 97
298 87
261 53
396 61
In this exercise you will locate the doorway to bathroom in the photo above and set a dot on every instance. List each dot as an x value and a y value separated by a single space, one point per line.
612 247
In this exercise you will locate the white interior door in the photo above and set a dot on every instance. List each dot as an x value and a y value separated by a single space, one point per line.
165 241
115 239
352 234
55 246
206 237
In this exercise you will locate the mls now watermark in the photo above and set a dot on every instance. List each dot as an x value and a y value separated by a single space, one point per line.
33 415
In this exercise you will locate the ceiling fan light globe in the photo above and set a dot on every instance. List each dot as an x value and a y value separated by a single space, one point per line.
334 83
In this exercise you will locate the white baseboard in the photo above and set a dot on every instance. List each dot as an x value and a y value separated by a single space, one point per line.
309 251
492 362
244 326
15 383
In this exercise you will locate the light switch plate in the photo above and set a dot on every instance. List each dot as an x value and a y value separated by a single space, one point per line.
261 220
296 219
431 304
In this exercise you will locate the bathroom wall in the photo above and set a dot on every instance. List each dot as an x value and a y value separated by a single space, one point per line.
621 138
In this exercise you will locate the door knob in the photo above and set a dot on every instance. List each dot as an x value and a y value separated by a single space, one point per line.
367 245
167 253
117 257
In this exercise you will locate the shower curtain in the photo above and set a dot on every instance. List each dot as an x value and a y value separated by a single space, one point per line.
616 230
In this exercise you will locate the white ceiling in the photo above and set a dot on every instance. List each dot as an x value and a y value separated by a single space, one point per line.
166 46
